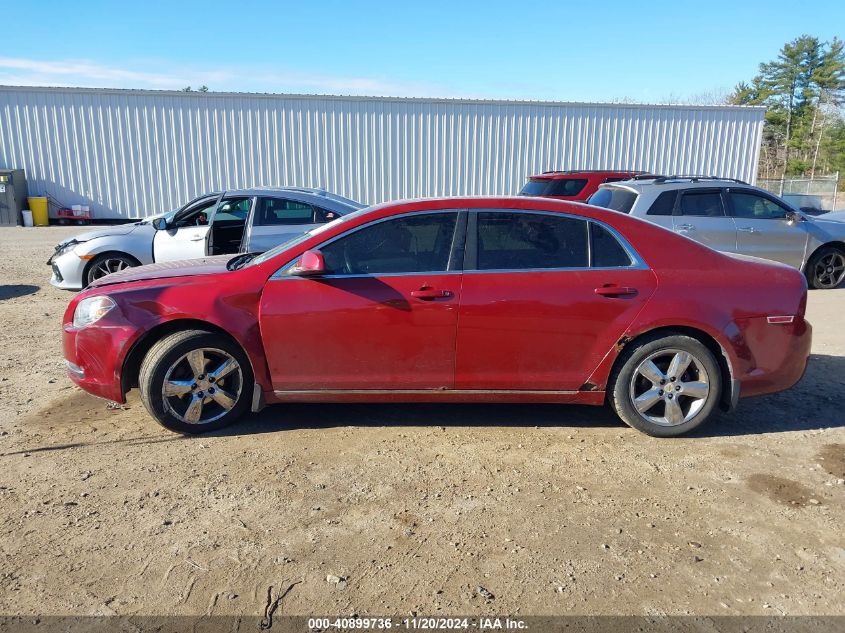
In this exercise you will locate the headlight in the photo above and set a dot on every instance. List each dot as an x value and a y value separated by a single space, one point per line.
66 247
91 310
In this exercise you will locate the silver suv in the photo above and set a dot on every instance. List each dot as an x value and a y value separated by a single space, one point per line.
732 216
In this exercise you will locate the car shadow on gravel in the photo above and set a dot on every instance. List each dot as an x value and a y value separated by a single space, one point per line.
12 291
285 417
811 404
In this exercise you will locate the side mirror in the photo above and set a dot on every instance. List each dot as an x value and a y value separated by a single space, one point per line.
160 224
793 218
311 264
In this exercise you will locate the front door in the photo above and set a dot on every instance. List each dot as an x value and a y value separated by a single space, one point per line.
539 309
186 234
384 317
763 229
700 215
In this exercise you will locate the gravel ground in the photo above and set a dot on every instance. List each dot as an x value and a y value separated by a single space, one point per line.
550 509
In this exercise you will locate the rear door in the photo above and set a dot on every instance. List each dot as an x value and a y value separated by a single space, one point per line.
227 225
277 219
700 214
544 297
763 228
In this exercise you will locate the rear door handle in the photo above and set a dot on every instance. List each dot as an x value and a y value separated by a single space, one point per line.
427 293
747 229
685 227
616 291
197 238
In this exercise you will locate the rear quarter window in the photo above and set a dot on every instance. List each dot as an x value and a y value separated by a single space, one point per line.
605 249
614 198
663 204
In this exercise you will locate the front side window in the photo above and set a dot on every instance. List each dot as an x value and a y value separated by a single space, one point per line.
614 198
197 214
755 207
518 241
420 243
706 204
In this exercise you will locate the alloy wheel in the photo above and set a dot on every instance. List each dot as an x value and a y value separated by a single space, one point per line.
108 266
830 270
202 386
669 387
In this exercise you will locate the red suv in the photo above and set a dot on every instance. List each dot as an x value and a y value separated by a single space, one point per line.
572 185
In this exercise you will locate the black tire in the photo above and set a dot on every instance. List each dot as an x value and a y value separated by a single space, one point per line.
168 354
820 275
623 384
112 261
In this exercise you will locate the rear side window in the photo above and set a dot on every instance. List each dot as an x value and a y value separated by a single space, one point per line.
404 245
519 241
566 186
702 204
273 211
605 249
614 198
664 204
554 187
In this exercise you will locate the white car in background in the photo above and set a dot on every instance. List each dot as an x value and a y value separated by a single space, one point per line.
220 223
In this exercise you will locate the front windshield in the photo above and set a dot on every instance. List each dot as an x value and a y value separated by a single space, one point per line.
266 255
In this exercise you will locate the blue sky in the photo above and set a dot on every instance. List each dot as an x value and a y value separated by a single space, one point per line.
569 51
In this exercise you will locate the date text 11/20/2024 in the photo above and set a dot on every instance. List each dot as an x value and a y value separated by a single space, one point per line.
419 624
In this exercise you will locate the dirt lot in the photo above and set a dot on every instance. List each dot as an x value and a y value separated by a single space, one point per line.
551 509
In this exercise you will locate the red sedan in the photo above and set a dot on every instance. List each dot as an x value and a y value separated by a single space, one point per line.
449 300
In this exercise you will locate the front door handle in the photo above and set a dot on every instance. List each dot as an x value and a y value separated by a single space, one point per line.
427 293
197 238
616 291
685 227
747 229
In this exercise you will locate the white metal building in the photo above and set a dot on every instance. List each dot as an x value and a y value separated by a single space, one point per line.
131 153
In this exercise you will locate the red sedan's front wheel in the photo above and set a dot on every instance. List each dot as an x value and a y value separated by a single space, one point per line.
196 381
665 385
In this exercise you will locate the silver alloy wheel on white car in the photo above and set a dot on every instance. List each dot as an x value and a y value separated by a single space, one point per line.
108 266
202 386
669 387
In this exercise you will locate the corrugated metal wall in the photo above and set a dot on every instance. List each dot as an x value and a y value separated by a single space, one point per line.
136 153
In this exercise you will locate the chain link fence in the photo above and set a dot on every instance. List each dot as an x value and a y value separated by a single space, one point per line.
817 194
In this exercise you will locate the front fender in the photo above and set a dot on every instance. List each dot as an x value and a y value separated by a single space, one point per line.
137 244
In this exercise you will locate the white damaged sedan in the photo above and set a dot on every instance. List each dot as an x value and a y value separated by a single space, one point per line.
220 223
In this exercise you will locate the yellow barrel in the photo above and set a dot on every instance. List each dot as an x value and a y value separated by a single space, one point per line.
38 206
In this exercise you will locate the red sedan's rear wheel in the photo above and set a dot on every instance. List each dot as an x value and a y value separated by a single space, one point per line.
196 381
665 385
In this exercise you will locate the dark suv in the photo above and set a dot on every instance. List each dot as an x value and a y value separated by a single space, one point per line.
572 185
